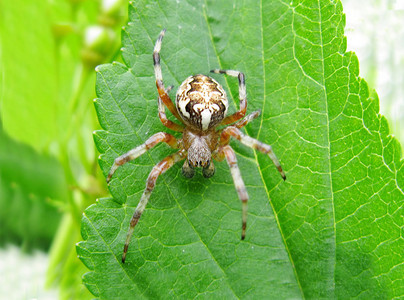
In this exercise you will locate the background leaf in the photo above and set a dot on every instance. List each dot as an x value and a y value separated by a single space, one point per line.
28 182
39 66
331 230
48 52
31 51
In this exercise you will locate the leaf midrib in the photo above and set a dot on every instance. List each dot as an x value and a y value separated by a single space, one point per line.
246 129
329 144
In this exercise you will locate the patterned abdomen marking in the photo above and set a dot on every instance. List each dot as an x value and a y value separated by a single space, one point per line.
201 102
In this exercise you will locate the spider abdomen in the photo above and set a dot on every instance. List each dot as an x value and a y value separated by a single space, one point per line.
201 102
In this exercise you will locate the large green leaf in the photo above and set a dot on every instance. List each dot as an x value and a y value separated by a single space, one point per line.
331 230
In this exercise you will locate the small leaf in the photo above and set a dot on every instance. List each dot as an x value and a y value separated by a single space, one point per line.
332 230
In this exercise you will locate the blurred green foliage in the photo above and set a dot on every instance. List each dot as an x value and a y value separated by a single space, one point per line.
48 163
28 182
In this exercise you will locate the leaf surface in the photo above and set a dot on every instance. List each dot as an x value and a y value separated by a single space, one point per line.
333 229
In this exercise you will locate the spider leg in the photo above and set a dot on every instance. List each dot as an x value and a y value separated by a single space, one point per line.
139 150
157 170
241 93
159 77
252 143
238 183
162 115
243 122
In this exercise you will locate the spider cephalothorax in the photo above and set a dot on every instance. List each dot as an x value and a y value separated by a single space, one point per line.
201 106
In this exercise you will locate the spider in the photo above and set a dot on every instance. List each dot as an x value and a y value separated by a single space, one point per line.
201 106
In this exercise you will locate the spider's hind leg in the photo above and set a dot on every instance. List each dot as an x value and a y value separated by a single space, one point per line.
242 94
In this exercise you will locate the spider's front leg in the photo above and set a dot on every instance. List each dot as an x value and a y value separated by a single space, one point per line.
231 159
157 170
136 152
252 143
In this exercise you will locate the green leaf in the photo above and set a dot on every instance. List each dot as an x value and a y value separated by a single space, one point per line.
41 62
28 181
27 49
332 230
